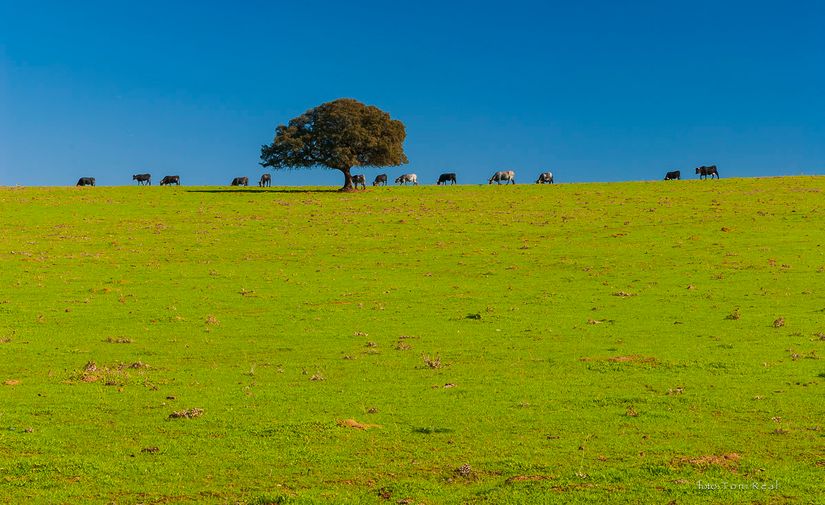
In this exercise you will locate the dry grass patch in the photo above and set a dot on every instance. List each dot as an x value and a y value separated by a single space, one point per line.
631 359
432 363
729 461
529 478
118 340
352 423
186 414
114 375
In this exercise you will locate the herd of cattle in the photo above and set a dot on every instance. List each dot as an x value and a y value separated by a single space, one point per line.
703 172
504 176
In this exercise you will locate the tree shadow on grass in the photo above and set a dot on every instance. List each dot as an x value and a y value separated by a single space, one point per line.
428 430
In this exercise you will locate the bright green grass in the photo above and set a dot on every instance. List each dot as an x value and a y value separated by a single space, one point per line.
237 299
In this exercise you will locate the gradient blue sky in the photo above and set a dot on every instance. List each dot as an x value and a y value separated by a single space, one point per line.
592 90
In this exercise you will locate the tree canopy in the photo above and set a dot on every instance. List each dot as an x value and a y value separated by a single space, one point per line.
339 135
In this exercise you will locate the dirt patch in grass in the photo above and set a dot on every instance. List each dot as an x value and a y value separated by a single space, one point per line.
118 340
317 377
352 423
632 359
112 375
186 414
11 382
431 362
529 478
727 461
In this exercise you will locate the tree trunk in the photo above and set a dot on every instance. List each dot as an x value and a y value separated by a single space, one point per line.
347 180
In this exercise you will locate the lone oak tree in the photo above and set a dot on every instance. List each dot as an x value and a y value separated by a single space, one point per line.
338 135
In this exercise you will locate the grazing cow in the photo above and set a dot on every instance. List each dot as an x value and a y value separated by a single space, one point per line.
359 179
404 179
545 178
170 179
240 181
86 181
380 180
266 181
143 179
704 172
504 175
445 178
673 176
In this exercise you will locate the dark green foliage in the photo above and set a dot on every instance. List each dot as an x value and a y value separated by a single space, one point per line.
339 135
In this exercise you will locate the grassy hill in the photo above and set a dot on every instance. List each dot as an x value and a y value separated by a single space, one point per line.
632 342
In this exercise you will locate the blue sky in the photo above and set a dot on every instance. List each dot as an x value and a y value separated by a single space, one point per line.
591 90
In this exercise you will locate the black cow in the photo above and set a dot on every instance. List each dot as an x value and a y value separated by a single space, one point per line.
445 178
380 180
143 179
545 178
673 176
266 181
86 181
359 179
240 181
170 179
704 172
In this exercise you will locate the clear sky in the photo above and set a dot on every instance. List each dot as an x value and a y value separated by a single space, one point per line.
591 90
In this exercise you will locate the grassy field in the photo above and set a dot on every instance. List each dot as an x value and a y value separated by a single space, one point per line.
624 343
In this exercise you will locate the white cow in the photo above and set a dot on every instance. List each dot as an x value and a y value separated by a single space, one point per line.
404 179
545 178
504 175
